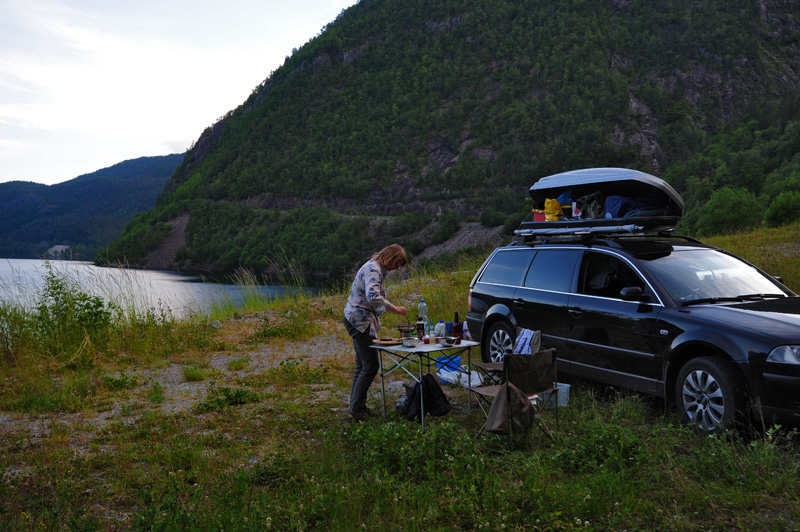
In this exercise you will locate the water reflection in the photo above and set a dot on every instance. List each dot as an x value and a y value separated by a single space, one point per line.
21 281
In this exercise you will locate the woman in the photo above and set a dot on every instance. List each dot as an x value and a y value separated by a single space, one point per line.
366 303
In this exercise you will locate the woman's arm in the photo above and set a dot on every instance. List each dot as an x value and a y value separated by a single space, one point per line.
397 310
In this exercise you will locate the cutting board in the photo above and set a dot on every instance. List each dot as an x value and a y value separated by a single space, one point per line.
387 341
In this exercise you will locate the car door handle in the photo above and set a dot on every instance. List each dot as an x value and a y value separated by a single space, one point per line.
575 312
519 302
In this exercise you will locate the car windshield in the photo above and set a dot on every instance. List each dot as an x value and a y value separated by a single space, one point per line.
706 275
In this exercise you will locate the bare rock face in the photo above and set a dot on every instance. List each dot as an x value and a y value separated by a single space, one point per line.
163 257
471 234
645 136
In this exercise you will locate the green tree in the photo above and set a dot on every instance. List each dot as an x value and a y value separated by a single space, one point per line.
729 209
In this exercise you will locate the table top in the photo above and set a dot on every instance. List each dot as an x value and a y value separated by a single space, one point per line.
425 348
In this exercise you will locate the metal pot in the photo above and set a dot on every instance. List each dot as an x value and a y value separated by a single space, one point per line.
410 341
448 340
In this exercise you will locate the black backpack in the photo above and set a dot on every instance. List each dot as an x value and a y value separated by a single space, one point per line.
436 403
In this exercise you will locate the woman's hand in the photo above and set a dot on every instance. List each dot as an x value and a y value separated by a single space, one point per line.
398 310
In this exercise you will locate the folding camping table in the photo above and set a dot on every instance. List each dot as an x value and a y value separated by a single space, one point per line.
425 356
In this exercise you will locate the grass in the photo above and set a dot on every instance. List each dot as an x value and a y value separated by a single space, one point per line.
273 449
192 373
774 250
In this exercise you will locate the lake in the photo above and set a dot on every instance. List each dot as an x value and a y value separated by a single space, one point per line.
21 281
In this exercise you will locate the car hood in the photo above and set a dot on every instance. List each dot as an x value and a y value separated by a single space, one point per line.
779 318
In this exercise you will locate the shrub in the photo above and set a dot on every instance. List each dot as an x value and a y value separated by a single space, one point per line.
729 209
784 209
66 317
492 218
409 223
449 225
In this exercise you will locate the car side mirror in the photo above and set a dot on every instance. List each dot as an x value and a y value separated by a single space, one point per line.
633 293
778 278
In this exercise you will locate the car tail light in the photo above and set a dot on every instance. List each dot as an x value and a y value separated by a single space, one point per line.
469 301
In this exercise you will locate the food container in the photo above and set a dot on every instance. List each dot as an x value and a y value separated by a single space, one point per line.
410 341
448 340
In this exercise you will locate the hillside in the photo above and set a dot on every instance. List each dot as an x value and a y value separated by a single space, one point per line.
84 213
401 121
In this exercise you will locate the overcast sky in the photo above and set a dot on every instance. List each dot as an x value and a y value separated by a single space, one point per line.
85 84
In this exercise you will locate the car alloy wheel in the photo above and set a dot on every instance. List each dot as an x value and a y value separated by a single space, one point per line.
500 342
707 395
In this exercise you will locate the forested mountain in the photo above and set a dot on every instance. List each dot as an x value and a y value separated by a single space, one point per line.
84 213
402 119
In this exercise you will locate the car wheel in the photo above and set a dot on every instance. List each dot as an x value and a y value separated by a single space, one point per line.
499 342
708 394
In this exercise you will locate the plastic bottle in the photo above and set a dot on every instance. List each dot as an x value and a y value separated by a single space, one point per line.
439 330
422 311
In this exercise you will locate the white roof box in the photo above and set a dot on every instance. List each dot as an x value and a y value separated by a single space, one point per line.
605 199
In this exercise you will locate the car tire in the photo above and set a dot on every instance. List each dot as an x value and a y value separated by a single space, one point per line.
499 342
708 394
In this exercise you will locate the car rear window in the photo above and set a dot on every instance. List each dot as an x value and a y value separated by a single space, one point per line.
508 267
553 269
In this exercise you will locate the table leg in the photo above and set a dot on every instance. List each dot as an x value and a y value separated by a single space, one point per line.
421 395
383 388
469 379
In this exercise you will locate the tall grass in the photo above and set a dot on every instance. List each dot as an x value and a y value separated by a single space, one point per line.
774 250
253 298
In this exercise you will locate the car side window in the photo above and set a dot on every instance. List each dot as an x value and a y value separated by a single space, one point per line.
553 269
508 267
605 275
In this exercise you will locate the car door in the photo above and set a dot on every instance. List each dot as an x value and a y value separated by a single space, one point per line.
493 291
541 302
612 340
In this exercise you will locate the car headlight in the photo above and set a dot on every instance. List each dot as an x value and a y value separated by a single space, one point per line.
785 354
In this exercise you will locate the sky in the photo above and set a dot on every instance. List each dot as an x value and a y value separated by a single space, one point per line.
86 84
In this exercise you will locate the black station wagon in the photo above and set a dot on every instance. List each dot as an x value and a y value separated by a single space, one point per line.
644 310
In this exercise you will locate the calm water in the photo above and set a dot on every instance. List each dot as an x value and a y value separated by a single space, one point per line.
22 279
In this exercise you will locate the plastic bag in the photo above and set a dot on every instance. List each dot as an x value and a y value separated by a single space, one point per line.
473 379
552 210
449 376
462 377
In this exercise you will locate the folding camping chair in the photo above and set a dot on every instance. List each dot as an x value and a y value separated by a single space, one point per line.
515 404
527 342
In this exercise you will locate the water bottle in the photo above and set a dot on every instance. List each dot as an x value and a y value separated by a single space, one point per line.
439 330
422 311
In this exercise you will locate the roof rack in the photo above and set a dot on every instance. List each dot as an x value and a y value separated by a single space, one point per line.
603 233
578 231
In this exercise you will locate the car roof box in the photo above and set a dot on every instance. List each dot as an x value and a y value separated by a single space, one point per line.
607 200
